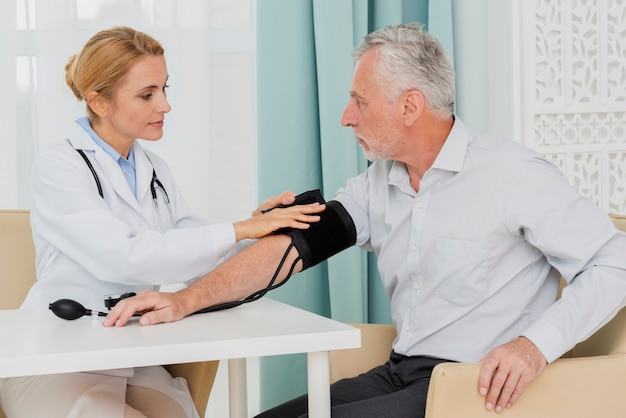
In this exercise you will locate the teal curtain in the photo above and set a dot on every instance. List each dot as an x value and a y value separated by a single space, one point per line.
304 70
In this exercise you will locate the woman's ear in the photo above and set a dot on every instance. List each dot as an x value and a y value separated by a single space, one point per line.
97 103
414 103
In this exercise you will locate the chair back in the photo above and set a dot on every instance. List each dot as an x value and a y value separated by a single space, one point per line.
376 341
200 379
17 257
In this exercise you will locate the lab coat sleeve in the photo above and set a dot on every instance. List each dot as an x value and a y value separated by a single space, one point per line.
69 218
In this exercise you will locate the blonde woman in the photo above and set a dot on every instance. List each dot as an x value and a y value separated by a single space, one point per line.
108 219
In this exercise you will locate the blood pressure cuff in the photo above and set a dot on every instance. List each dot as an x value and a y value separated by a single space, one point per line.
334 232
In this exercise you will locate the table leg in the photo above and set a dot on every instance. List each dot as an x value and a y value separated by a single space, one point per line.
319 384
237 388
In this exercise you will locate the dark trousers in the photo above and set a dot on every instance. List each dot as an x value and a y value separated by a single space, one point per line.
396 389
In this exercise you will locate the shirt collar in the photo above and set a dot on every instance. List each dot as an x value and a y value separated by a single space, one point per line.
450 157
452 154
86 125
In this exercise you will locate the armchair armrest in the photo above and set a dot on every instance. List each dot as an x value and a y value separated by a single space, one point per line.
567 388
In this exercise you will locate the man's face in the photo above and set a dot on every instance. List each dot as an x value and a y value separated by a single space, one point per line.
371 115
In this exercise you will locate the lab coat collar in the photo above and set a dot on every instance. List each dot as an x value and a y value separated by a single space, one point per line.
109 168
143 172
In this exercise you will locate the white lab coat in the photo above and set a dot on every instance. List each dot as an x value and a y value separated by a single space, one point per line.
88 246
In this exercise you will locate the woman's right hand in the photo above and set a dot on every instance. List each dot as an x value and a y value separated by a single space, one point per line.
262 224
285 198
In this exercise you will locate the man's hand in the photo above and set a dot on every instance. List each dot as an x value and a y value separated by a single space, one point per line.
155 308
506 372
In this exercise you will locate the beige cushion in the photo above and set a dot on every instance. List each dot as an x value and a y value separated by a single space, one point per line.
376 340
17 257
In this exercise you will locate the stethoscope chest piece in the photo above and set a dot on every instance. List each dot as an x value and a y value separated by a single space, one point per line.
154 184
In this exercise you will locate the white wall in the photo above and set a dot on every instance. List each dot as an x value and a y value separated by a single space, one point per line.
573 78
210 135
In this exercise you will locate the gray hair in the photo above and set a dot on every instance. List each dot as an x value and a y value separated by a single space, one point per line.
410 58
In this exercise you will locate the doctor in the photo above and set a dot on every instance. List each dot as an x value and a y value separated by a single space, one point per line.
107 218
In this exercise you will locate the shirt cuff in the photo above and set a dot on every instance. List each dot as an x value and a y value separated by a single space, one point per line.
547 339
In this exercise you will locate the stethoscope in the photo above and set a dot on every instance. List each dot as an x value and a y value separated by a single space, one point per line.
70 309
154 184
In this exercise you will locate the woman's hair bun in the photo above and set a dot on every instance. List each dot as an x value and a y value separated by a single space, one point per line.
69 76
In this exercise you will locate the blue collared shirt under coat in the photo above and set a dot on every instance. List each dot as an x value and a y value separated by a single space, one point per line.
127 165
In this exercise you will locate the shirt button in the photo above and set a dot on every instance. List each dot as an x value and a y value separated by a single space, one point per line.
407 328
420 205
413 247
416 286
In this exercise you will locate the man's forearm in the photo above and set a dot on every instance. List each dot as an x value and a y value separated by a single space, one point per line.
242 275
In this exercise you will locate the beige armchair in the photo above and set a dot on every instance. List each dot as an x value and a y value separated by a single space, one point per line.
17 275
588 382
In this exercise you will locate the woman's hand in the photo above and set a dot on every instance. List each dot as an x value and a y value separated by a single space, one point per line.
285 198
262 224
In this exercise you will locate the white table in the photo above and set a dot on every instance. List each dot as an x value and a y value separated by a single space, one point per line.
36 342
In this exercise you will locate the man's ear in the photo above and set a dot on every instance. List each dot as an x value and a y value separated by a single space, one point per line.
414 104
97 103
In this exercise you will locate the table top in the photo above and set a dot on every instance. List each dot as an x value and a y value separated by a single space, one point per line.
35 342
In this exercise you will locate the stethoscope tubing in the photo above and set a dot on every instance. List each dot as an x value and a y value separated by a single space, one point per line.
154 183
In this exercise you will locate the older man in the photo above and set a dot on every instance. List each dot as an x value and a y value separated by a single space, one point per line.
471 236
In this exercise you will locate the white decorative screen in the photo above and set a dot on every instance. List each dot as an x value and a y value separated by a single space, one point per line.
578 105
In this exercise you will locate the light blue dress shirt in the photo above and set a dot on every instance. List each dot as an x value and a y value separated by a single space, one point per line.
126 165
473 259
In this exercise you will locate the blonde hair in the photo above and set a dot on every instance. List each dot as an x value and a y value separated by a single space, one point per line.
104 61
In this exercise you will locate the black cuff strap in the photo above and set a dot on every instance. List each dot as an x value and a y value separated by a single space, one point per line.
332 234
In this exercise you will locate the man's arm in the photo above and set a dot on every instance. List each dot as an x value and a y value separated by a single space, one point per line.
245 273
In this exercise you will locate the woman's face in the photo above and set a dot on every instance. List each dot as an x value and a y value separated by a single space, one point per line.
138 107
